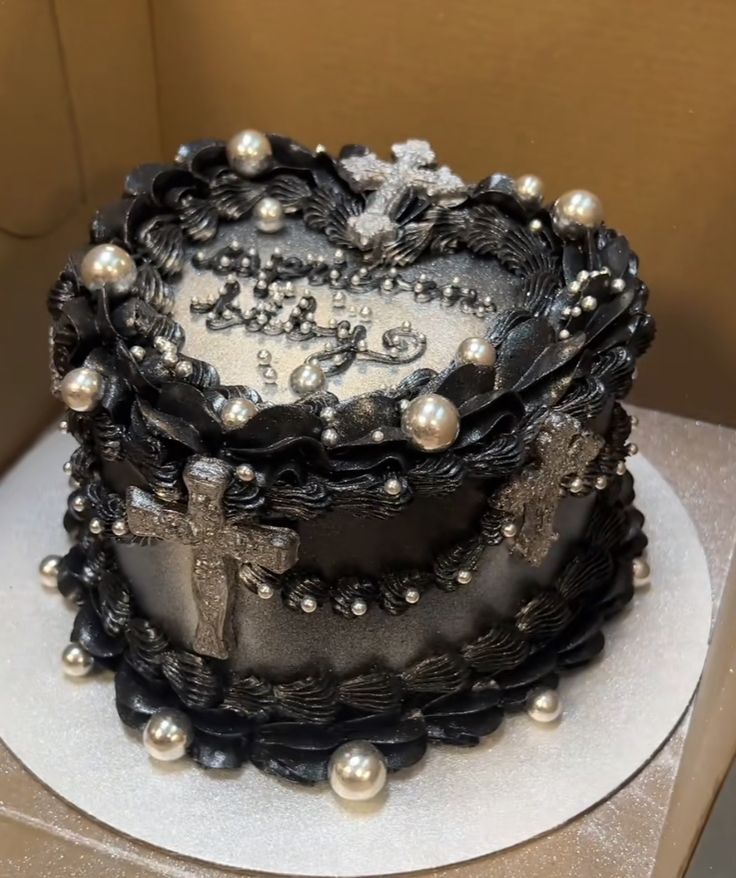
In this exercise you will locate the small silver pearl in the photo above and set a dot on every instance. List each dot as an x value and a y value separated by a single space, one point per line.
404 404
535 225
618 285
109 266
245 472
582 276
82 389
76 661
564 334
119 527
138 353
308 604
377 436
170 358
575 212
270 375
464 576
634 421
365 313
249 152
269 215
530 189
620 468
632 448
412 595
601 483
183 369
306 379
338 299
328 414
576 311
641 572
357 771
577 485
574 287
329 437
67 467
509 530
167 735
48 570
589 303
264 357
478 351
95 526
359 607
237 412
393 487
265 591
544 705
79 504
431 422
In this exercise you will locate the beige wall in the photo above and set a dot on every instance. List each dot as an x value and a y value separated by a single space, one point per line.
635 100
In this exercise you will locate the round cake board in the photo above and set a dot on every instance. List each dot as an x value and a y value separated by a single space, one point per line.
458 804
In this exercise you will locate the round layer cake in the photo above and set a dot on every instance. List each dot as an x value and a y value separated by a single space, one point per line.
351 470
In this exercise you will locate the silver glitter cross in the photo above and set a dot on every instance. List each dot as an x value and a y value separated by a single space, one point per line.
389 182
217 546
562 448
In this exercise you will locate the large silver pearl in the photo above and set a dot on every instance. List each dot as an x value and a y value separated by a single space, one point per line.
431 422
544 705
269 214
167 735
476 350
249 152
357 771
76 661
237 412
530 189
307 378
108 265
575 212
82 389
49 571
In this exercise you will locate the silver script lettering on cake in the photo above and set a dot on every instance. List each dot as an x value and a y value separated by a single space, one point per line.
562 448
389 182
217 545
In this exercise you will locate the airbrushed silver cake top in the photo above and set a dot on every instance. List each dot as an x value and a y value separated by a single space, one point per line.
384 305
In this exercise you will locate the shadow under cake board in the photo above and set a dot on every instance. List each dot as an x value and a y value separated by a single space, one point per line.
520 783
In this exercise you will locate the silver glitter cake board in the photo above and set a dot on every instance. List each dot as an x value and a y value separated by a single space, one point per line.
457 805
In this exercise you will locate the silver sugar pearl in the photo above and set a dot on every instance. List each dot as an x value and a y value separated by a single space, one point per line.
328 414
509 529
464 576
377 436
338 299
119 527
307 378
308 604
108 266
577 485
412 595
576 212
270 376
618 285
329 437
431 422
476 350
357 771
95 526
79 504
393 487
48 570
620 468
269 215
359 607
632 448
245 472
535 225
576 311
249 152
76 661
82 389
265 591
168 734
544 705
530 189
237 412
365 313
640 572
138 353
589 303
183 368
564 334
601 483
67 467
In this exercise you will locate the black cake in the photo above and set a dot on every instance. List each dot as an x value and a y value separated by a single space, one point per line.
351 476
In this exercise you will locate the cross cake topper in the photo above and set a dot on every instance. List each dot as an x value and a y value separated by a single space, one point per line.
217 545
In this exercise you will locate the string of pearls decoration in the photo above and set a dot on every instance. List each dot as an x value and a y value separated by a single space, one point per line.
431 422
167 735
76 661
82 389
544 705
357 771
108 266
